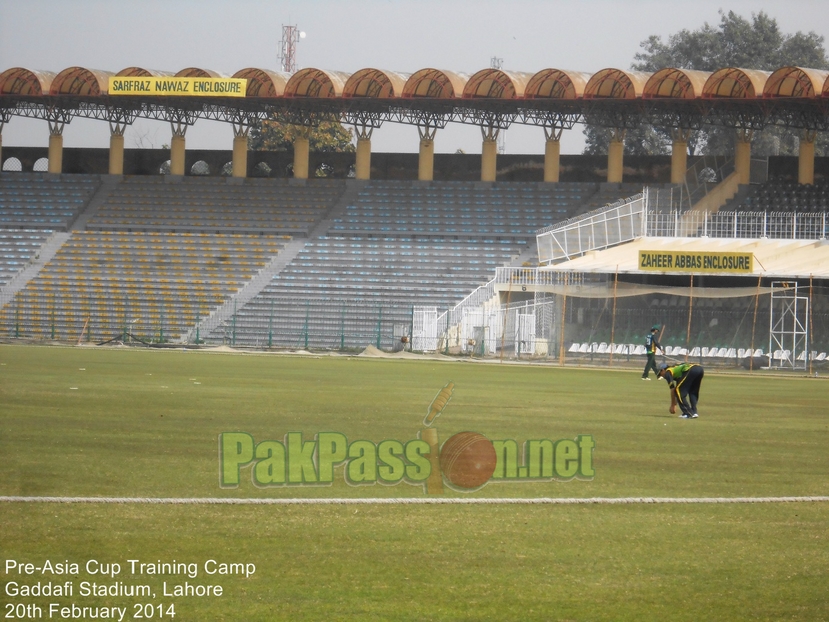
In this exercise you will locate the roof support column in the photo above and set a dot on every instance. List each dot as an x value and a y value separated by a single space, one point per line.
489 153
177 149
4 118
426 157
679 155
552 154
362 167
806 158
240 150
116 147
55 144
302 151
742 156
615 156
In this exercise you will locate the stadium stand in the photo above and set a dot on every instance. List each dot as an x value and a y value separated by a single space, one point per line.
786 197
34 201
152 285
400 244
17 248
207 204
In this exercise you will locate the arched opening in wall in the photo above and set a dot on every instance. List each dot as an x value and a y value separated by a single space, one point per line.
227 169
324 170
262 170
12 165
164 169
41 166
201 168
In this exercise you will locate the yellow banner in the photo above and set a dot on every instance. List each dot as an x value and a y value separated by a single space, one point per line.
696 261
179 87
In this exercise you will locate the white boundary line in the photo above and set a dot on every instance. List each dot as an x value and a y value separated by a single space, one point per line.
410 501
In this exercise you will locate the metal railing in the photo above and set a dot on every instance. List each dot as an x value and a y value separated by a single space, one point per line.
608 226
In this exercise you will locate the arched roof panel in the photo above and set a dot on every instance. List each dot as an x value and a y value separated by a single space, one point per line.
312 82
263 82
21 81
676 83
556 84
795 82
493 83
435 83
197 72
81 81
616 84
140 72
375 83
736 82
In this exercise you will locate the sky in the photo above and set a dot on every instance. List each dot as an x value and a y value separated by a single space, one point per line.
348 35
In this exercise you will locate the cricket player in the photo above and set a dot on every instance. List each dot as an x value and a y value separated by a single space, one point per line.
651 345
684 380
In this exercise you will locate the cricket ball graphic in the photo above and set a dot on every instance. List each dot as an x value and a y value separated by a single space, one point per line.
467 460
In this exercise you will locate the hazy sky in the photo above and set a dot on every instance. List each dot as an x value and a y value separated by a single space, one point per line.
347 35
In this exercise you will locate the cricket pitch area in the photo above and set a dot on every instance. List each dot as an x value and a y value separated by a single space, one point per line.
193 485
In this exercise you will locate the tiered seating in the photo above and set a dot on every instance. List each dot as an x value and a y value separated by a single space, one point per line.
153 285
460 209
34 201
194 204
786 197
17 248
609 193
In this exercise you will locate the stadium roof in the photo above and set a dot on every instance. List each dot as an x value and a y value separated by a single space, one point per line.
772 258
732 96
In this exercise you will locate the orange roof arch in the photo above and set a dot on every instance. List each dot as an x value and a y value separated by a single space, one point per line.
493 83
556 84
375 83
676 83
140 72
312 82
263 82
795 82
435 83
616 84
21 81
80 81
736 82
197 72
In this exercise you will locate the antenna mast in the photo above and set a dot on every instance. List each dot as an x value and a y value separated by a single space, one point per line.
498 63
287 48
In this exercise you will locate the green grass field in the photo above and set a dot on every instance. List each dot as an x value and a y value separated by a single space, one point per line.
96 422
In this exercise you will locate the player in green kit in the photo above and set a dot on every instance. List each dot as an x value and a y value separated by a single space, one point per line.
684 380
651 346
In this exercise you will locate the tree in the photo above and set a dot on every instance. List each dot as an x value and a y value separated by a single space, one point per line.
328 136
736 42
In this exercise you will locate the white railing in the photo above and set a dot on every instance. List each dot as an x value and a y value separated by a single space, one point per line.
608 226
742 225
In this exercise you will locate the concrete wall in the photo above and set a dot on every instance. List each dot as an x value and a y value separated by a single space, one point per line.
400 166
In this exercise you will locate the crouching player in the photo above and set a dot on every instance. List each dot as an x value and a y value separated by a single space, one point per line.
684 380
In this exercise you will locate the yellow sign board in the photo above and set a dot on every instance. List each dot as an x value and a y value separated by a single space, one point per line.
694 262
178 87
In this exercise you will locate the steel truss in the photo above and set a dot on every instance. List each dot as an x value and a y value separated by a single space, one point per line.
799 113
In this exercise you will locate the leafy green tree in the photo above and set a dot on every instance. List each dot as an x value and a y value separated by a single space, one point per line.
328 136
757 43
